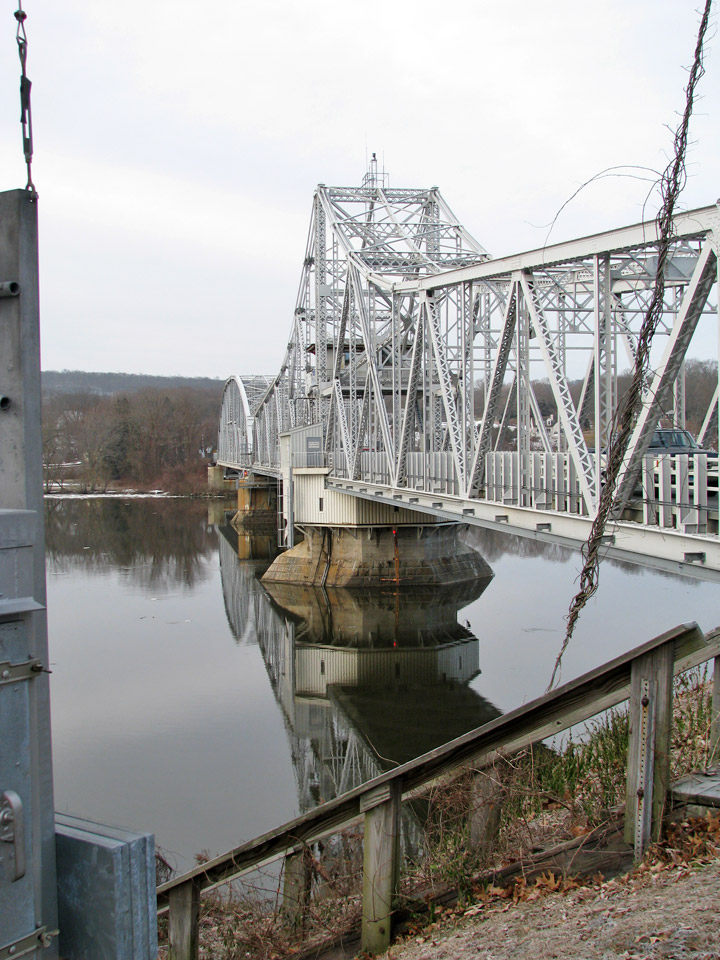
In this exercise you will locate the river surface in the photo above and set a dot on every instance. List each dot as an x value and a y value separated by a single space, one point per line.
188 702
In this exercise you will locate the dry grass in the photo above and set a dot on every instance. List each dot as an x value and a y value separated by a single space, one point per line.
533 800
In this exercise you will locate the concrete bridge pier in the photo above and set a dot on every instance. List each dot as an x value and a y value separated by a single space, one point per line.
380 556
256 502
359 543
216 478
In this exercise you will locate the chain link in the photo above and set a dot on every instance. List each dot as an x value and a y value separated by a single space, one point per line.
25 108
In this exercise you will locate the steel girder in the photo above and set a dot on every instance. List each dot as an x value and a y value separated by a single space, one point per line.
240 399
408 341
346 354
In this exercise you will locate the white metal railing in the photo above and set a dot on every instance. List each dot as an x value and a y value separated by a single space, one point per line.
680 492
677 492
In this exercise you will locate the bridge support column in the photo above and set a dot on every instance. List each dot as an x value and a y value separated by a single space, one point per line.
257 503
380 556
216 478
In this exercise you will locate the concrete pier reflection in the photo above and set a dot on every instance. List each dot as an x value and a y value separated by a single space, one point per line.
365 682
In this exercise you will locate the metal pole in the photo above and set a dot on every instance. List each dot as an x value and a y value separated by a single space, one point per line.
21 490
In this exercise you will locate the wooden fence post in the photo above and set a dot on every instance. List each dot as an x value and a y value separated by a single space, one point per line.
297 878
715 722
381 849
648 765
488 793
184 921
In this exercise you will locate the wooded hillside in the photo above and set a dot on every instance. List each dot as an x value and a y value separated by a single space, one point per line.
150 432
107 384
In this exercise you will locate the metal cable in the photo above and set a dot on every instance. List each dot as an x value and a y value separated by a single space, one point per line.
25 108
626 415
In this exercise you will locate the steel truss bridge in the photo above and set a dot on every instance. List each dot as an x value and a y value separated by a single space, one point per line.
411 375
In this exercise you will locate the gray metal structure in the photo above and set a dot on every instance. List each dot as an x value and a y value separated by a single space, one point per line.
416 353
106 891
28 902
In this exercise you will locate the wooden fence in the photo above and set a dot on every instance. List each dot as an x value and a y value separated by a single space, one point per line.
643 675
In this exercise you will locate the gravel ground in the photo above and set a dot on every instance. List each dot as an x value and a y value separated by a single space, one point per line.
667 911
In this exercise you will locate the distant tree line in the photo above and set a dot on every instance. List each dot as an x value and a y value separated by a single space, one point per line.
150 438
161 436
701 377
108 384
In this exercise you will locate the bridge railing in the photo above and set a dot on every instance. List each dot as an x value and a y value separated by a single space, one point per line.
681 492
677 492
542 481
644 675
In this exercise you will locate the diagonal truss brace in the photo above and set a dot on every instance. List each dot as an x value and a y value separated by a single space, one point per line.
453 421
686 321
342 420
708 431
561 391
381 410
410 400
497 378
361 428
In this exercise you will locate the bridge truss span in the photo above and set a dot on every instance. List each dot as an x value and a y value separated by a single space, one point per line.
429 368
240 400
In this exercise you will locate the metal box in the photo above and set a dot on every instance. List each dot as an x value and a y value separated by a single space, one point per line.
106 891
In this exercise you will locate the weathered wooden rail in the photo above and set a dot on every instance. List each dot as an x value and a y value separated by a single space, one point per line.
643 675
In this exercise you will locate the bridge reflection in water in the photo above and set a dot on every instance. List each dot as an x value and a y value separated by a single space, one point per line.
365 682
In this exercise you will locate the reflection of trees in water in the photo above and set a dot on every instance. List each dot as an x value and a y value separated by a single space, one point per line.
154 542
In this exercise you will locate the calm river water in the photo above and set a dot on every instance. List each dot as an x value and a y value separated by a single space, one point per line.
188 702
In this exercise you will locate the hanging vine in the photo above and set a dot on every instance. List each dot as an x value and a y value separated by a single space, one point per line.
626 415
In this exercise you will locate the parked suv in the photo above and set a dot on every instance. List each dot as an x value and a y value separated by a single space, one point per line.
673 440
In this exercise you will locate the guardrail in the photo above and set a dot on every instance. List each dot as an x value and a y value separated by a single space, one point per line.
644 675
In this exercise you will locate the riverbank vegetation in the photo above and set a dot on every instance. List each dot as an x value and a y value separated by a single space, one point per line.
154 433
541 798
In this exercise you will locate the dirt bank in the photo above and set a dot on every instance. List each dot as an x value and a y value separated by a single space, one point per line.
664 910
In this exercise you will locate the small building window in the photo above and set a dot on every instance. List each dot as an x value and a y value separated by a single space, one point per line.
322 667
321 504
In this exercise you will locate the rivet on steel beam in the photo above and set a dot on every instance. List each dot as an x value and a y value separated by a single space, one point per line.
9 288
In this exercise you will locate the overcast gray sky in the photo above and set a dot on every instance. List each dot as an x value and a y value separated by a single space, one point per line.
177 146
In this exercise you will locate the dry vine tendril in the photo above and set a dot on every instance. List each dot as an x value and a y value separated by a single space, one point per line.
609 504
